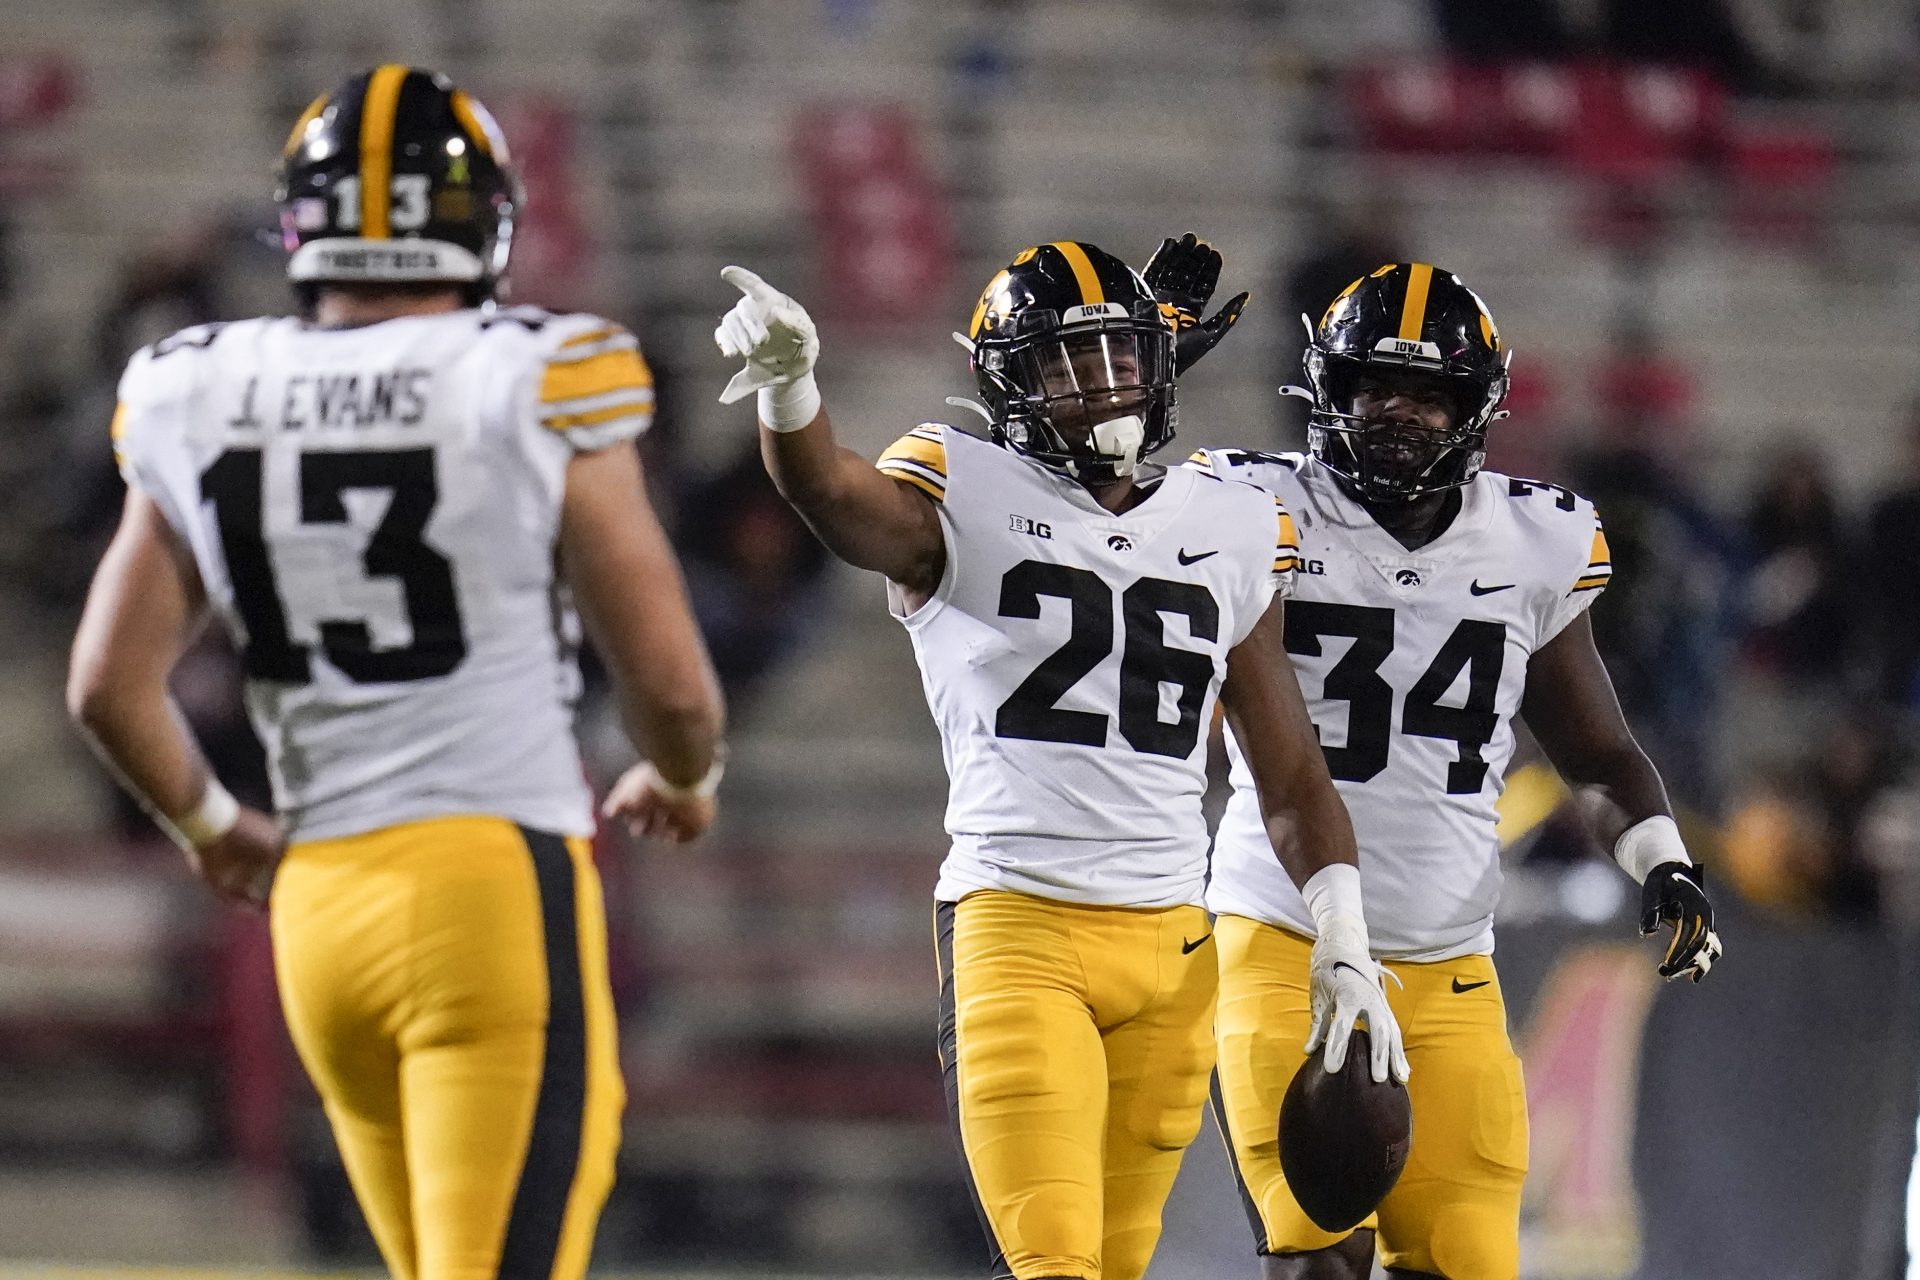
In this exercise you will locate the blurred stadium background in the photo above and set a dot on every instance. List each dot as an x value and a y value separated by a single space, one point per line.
1696 222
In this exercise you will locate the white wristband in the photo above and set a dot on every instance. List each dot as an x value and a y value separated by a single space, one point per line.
1333 899
1648 843
207 821
704 789
790 405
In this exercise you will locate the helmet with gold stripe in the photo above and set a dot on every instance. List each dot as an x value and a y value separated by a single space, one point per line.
397 176
1405 371
1074 359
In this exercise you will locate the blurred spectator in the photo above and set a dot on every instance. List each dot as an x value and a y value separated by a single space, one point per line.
752 568
1821 833
1692 33
1853 766
1494 30
1893 552
1356 238
1770 850
163 289
1662 623
1801 615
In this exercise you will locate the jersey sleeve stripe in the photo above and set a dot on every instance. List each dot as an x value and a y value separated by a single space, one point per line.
593 335
914 447
639 407
928 481
1288 540
589 345
1601 553
1591 583
598 375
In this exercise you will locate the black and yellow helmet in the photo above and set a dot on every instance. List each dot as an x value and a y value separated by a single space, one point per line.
1074 359
1415 318
397 176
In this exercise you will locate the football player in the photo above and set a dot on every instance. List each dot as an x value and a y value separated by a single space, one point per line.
1077 614
1434 602
392 499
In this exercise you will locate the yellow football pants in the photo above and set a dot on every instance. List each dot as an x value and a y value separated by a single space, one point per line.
1456 1210
446 986
1076 1044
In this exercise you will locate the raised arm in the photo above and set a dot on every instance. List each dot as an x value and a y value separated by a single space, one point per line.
627 583
143 609
864 517
1313 838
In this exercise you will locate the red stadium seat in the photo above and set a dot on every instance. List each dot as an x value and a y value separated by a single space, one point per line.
878 210
1424 107
1780 185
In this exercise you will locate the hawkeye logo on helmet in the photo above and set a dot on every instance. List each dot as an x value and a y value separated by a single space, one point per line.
1094 311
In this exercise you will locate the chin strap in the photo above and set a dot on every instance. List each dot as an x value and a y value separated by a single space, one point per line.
961 402
1119 441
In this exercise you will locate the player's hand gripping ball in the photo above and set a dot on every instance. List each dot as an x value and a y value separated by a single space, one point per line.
1344 1138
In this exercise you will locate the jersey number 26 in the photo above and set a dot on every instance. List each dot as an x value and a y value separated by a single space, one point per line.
1146 663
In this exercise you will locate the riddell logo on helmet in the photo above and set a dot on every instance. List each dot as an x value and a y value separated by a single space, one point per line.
383 259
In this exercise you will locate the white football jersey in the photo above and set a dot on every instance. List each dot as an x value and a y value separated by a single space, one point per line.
1413 664
1072 659
375 512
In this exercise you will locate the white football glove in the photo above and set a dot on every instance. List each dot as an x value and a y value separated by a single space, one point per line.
1345 988
770 331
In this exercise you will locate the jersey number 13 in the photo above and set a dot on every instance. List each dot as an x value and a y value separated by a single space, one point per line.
397 549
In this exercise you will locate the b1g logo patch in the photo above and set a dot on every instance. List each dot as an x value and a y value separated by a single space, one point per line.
1033 528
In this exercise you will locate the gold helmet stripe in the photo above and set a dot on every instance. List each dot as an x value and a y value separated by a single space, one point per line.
307 117
1413 315
377 111
1090 291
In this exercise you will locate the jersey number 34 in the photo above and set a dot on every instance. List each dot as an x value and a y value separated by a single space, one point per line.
1476 646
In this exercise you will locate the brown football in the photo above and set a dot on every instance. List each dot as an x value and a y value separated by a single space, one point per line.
1343 1138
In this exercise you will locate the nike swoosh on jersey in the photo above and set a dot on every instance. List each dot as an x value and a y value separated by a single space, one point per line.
1184 558
1476 589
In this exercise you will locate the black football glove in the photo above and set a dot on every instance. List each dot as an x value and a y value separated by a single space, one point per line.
1183 274
1675 894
